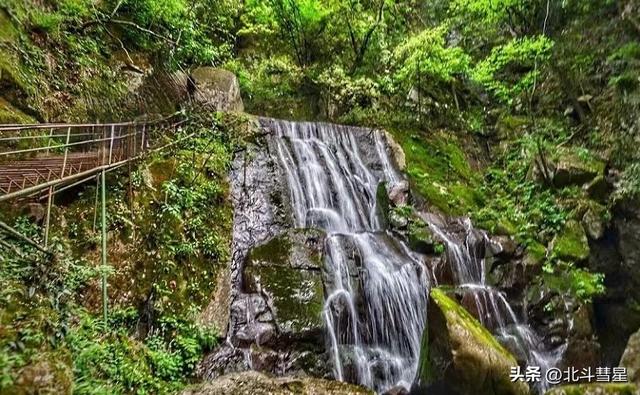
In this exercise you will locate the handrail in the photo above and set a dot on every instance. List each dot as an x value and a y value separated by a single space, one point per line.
36 126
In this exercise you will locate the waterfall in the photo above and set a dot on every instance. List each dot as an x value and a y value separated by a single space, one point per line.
492 308
375 308
327 176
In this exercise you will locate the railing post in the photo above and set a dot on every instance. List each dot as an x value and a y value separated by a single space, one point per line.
113 130
48 218
49 141
104 248
66 153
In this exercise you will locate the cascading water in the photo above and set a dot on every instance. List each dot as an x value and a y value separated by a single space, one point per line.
492 308
375 289
374 317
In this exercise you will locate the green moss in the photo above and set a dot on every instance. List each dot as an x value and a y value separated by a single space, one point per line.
571 244
10 114
276 252
297 295
439 170
455 312
288 270
594 389
537 252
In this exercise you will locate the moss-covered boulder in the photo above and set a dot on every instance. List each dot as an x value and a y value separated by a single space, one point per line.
420 237
217 88
573 167
594 389
571 244
254 383
288 269
459 352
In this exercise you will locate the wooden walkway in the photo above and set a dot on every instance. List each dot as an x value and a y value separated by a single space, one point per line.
36 159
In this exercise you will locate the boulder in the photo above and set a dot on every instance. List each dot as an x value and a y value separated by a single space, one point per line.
598 189
571 243
216 88
575 168
594 389
254 383
397 152
460 353
593 224
631 358
288 270
420 237
399 193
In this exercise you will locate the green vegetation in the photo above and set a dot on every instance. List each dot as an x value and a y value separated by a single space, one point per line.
517 113
161 274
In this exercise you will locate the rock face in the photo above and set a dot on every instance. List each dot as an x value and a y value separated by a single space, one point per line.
459 354
216 88
254 383
288 269
594 389
631 358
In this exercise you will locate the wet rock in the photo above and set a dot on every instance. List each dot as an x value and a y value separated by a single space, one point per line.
397 154
631 358
581 353
288 270
383 204
594 389
627 223
396 391
421 238
217 88
398 221
399 193
501 246
254 383
571 243
224 360
460 352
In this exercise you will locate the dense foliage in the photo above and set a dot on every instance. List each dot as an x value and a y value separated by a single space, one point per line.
481 94
51 315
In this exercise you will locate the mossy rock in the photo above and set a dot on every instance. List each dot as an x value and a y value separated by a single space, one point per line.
288 268
571 244
421 238
459 352
382 203
509 126
576 167
594 389
10 114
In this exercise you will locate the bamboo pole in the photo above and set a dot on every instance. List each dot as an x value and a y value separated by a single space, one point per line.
20 236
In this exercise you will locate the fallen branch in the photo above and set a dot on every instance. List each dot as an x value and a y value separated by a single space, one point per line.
87 25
